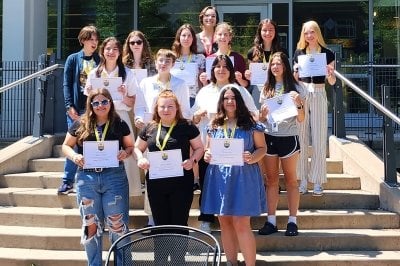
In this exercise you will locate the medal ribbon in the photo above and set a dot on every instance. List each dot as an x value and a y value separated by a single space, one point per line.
187 61
103 135
161 147
161 85
226 130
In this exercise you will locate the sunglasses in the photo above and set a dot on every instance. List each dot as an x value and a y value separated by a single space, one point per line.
138 42
102 103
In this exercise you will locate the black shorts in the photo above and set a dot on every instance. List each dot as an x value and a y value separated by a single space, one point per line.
282 146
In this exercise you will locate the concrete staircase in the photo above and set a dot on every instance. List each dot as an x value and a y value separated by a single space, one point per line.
344 227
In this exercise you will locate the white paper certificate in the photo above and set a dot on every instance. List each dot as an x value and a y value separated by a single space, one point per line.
226 151
100 156
111 84
164 164
259 73
210 61
312 65
139 74
186 71
281 107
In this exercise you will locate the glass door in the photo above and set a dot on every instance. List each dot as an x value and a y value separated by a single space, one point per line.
244 20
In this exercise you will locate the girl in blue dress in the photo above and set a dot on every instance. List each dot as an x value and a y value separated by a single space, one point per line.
235 193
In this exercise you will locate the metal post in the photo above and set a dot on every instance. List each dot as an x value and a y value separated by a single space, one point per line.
338 124
39 100
389 156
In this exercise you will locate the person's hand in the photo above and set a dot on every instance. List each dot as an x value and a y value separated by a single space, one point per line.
296 98
78 159
330 71
247 74
122 89
198 115
187 164
247 157
264 110
143 163
203 78
122 155
238 75
139 123
73 113
207 156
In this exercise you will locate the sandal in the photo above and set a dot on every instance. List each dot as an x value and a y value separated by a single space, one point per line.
291 229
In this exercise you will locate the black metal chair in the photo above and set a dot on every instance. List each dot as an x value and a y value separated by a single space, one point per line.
165 245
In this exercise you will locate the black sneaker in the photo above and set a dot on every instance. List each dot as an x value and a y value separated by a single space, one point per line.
268 229
65 189
196 186
291 230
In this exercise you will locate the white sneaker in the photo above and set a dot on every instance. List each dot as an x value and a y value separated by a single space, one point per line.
205 226
303 186
318 190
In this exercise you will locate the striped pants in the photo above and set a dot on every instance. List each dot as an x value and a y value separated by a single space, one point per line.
315 125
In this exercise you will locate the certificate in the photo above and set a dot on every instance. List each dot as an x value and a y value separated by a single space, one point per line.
186 71
312 65
139 74
226 151
281 107
210 61
164 164
111 84
147 117
100 154
259 73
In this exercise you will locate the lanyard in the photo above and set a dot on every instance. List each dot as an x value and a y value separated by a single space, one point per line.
103 135
226 131
161 85
161 147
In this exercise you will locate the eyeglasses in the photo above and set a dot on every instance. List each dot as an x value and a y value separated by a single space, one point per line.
102 103
138 42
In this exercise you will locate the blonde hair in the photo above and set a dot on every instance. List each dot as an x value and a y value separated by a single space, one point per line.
226 26
302 44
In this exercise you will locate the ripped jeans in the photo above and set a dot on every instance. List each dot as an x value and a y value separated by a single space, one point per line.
103 198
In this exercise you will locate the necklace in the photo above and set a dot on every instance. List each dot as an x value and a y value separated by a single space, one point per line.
100 136
161 147
163 86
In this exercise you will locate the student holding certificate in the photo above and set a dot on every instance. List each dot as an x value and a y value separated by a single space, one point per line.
205 108
282 142
102 193
189 64
170 194
111 66
313 65
224 36
233 192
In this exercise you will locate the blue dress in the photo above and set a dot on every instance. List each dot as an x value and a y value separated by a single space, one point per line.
234 190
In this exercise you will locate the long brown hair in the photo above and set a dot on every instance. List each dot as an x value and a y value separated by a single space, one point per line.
89 118
177 46
121 67
258 51
127 54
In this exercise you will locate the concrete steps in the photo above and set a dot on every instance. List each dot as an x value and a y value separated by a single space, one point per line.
343 227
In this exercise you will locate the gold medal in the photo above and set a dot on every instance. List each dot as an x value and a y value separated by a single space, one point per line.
100 146
311 59
106 82
279 100
227 143
182 67
264 67
164 156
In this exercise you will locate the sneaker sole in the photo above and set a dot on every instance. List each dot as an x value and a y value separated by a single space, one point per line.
65 192
317 194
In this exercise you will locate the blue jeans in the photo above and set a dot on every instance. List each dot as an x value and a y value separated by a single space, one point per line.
69 166
103 199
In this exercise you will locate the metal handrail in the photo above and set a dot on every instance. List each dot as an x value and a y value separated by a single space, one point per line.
371 100
32 76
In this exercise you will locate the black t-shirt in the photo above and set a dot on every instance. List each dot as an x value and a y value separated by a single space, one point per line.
180 137
116 131
330 56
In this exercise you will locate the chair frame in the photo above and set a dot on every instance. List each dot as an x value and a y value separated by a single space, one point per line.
195 234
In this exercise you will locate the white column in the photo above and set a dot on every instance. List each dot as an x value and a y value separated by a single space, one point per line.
24 39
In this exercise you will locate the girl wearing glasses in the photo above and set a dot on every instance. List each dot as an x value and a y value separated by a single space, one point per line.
234 192
137 53
102 193
111 66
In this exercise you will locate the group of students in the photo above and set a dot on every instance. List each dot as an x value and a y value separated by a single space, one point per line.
171 115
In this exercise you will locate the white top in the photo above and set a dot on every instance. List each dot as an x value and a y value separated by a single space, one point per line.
210 94
149 90
129 83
